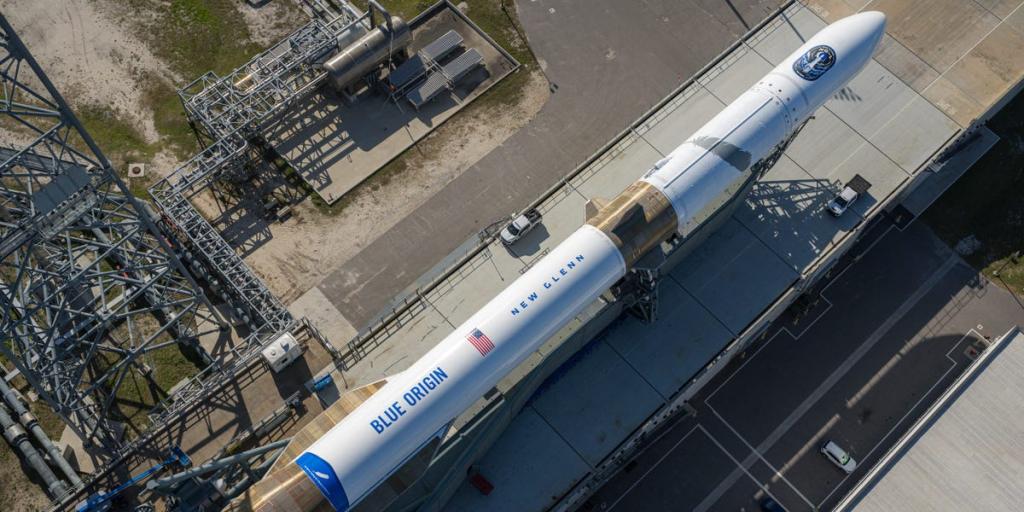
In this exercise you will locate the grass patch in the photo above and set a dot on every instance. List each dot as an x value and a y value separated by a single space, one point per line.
192 37
987 203
118 137
169 118
137 396
196 36
17 490
52 423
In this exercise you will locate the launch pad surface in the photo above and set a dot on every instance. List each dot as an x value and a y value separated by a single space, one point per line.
887 125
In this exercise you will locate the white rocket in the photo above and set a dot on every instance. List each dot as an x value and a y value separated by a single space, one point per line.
676 196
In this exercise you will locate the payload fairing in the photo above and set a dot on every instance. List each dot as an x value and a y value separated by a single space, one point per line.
676 196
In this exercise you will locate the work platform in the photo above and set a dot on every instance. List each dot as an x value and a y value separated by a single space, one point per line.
888 125
334 144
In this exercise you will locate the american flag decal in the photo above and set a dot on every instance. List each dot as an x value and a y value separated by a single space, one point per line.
480 342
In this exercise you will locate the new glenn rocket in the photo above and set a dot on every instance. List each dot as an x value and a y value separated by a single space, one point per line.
679 193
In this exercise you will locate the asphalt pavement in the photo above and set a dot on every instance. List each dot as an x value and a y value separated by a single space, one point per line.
901 318
608 61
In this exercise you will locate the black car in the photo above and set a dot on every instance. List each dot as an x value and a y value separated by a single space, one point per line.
770 505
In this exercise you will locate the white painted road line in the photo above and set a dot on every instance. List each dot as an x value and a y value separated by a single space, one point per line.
838 373
912 408
652 468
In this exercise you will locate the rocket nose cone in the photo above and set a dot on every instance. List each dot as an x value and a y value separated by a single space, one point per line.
870 22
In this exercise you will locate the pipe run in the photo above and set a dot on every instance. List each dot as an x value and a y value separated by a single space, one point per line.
18 439
29 421
169 482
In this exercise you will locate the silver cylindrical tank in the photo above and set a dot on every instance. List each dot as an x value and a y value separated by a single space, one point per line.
359 58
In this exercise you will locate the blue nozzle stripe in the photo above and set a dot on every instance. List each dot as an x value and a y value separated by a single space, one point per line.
325 479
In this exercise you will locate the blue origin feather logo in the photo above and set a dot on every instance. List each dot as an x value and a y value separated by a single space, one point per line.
325 479
811 65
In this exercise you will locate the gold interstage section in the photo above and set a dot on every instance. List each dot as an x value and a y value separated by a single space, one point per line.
637 220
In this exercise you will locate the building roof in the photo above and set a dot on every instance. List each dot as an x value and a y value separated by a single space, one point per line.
967 452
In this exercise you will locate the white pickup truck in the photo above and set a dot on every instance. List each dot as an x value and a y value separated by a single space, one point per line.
520 226
855 188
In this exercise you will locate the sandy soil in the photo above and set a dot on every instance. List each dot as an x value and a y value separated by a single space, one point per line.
94 59
88 57
270 22
309 246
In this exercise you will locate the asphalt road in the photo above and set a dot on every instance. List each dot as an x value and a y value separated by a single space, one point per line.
608 62
890 332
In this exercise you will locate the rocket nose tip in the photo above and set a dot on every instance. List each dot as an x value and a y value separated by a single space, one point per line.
873 21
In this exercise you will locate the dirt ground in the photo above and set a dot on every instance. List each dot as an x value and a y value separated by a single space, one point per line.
95 53
90 58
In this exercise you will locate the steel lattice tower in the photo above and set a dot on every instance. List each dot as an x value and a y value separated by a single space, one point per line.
88 285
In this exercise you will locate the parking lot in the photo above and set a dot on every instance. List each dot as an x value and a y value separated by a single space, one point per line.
901 317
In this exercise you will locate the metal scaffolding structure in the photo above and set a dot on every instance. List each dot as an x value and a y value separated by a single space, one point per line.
239 102
89 286
230 112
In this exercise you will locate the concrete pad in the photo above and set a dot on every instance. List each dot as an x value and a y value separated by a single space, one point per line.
742 69
786 211
594 400
671 350
992 67
626 167
825 142
477 285
315 306
734 275
419 333
1001 8
667 130
562 215
910 138
834 10
883 174
508 263
930 189
1016 19
903 63
871 99
677 484
955 102
937 31
529 455
334 145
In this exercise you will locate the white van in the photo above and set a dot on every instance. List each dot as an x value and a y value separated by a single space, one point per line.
838 456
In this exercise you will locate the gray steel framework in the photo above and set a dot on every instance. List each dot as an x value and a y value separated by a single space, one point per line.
230 111
240 101
89 286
